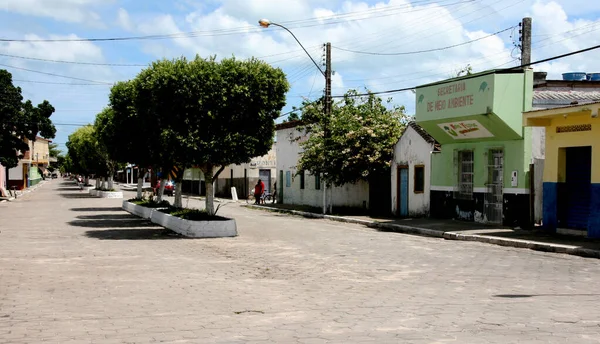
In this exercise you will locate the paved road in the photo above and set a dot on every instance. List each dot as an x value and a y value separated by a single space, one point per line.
75 269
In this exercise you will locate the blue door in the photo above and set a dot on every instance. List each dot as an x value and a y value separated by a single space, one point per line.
403 191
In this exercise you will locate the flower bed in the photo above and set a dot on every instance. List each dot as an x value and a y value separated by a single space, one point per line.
194 223
143 208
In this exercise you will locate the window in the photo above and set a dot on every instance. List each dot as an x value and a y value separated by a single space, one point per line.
288 179
301 180
419 186
317 182
465 175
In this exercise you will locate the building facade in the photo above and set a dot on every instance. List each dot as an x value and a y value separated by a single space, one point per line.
571 179
482 173
411 172
32 168
243 177
302 188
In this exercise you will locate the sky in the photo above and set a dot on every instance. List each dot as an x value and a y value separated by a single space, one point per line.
386 39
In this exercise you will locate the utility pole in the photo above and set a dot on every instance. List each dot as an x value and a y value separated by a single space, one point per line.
525 39
327 110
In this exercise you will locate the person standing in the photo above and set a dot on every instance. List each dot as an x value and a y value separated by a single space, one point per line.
259 189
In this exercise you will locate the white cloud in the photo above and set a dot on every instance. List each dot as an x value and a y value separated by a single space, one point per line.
74 11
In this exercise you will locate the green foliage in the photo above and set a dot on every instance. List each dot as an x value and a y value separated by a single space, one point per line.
362 134
292 117
54 151
467 70
192 214
19 121
149 203
85 152
212 112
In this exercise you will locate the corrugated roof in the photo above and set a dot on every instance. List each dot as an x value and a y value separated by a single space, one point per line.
566 96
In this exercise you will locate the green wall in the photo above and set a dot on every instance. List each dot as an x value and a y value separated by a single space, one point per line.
512 93
444 172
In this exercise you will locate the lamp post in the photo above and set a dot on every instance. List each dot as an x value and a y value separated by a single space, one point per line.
265 23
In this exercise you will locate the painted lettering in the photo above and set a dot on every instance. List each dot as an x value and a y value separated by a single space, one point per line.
453 88
430 107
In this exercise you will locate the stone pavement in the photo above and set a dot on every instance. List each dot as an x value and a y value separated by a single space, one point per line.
535 239
76 269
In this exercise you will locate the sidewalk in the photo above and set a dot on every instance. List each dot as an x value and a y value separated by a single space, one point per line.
460 230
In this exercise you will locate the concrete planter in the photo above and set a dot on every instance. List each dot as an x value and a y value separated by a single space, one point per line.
106 194
195 229
138 210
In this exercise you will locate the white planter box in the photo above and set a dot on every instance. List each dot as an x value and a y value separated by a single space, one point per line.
138 210
195 229
106 194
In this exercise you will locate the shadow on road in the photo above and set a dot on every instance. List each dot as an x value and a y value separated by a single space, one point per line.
97 209
107 217
122 222
149 233
72 188
522 296
76 195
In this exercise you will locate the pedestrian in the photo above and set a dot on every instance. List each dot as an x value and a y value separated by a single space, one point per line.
259 188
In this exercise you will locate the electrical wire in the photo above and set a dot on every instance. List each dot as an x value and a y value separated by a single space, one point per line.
480 74
425 51
303 23
74 62
52 74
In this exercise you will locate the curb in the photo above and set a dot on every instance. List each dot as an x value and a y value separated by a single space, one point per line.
517 243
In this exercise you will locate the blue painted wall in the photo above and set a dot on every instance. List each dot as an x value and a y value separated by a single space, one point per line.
550 207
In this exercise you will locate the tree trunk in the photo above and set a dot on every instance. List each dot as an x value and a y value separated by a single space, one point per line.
161 190
140 183
210 191
103 185
178 202
97 183
86 180
110 181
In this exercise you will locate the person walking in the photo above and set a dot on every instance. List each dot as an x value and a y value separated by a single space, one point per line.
259 189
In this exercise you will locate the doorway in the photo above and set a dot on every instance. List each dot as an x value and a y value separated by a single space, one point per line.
402 191
265 176
578 179
493 201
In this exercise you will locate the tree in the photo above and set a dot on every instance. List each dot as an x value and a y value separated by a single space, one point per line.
467 70
292 117
361 135
211 113
20 121
106 134
85 152
54 151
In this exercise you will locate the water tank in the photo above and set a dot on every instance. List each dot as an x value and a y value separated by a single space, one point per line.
574 76
593 76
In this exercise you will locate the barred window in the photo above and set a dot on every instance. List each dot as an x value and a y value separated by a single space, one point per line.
465 175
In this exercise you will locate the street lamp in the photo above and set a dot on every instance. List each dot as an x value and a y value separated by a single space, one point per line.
265 23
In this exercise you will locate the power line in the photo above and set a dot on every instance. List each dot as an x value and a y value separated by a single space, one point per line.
59 83
303 23
482 74
57 75
75 62
428 50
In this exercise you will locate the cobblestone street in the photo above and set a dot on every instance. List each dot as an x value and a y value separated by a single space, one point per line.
76 269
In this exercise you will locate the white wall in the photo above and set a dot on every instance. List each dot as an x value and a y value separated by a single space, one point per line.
288 154
16 173
412 150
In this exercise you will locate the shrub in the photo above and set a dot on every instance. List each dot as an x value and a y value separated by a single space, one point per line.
192 214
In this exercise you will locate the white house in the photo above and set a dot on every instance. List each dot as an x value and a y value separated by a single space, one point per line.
302 188
243 177
411 172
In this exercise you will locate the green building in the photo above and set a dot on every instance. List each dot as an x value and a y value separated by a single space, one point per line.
483 169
